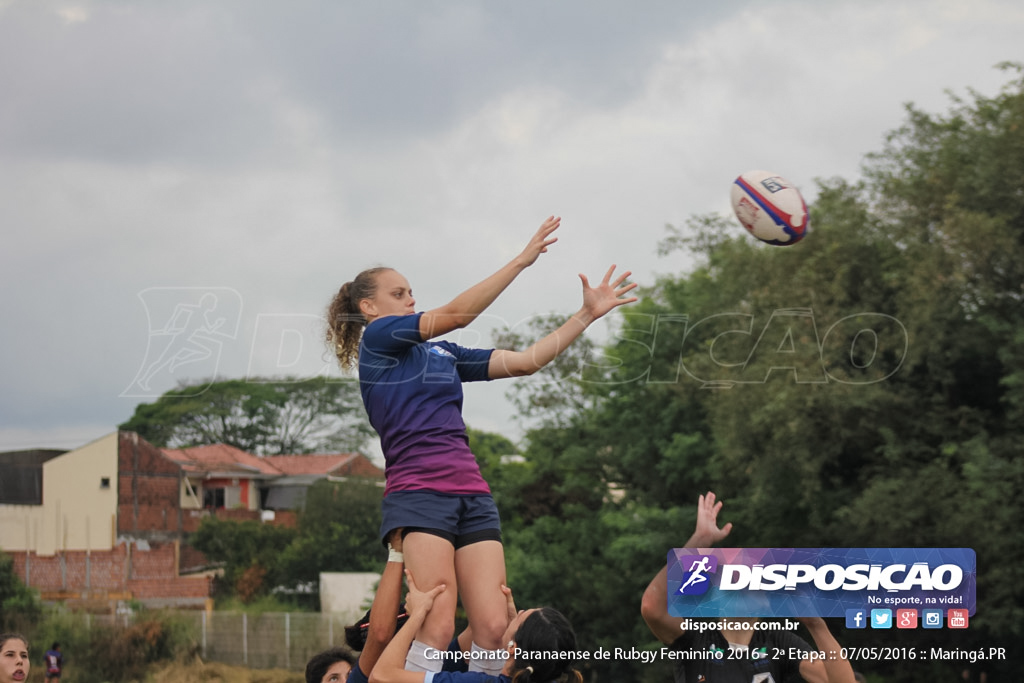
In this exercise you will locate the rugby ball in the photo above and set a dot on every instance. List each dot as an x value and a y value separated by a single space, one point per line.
770 208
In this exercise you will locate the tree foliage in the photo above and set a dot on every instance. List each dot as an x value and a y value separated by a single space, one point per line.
338 531
862 388
247 550
263 416
19 604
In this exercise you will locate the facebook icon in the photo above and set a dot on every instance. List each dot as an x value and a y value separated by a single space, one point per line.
855 618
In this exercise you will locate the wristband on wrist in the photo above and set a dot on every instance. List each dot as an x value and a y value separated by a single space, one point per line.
395 555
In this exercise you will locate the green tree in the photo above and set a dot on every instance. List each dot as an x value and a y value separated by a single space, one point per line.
338 530
19 604
258 415
862 388
245 546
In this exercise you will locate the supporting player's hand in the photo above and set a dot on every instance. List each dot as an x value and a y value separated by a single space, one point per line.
510 604
540 241
417 601
707 532
597 301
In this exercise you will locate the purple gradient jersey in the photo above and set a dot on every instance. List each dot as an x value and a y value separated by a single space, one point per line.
412 391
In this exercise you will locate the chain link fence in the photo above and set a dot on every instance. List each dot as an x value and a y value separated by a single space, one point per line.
272 640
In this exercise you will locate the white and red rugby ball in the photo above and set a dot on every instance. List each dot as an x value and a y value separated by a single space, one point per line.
770 207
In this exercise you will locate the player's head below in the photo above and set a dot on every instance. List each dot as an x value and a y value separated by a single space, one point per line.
14 661
345 315
8 638
332 664
534 633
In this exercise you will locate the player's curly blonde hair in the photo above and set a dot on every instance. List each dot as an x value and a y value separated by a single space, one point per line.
345 322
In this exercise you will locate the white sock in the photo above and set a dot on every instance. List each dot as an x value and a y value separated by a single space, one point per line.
417 659
489 662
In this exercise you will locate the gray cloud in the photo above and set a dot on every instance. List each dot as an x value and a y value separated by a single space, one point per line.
276 149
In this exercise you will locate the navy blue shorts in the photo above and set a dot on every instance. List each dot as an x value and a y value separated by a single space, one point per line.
461 520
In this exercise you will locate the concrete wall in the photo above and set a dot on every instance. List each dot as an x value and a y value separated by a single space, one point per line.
347 594
79 504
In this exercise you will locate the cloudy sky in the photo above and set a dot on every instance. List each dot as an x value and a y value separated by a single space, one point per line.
184 184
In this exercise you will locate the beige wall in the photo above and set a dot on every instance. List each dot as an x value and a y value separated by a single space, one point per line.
348 594
191 494
77 512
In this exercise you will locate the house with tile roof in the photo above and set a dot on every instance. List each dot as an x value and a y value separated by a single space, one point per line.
110 520
222 477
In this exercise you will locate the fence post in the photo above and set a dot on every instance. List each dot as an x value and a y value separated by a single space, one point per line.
204 635
288 640
245 639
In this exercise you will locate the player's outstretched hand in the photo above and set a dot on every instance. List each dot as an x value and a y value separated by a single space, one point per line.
540 241
597 301
707 532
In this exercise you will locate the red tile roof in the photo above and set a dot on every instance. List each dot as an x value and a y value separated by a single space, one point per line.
319 463
221 458
228 459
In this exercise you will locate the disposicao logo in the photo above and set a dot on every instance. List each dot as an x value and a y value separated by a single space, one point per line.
696 580
825 582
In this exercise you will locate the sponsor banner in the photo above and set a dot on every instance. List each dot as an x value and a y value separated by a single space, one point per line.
818 582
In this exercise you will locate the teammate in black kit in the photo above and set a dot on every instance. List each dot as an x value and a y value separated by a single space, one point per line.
749 655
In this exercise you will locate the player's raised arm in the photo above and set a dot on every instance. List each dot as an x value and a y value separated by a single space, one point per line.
654 605
597 302
464 309
834 668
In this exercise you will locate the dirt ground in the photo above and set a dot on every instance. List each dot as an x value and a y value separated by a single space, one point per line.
197 672
213 672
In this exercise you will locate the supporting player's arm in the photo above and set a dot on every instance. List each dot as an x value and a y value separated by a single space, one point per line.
464 309
654 605
391 665
597 302
834 668
384 609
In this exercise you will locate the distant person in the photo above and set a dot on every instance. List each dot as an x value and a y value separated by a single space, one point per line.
411 385
741 641
14 664
54 661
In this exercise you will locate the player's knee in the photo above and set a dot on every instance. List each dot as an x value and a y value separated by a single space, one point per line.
439 628
487 632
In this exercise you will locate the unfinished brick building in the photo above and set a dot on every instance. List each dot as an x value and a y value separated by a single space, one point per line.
109 521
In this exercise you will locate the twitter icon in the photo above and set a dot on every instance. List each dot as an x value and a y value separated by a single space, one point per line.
881 618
